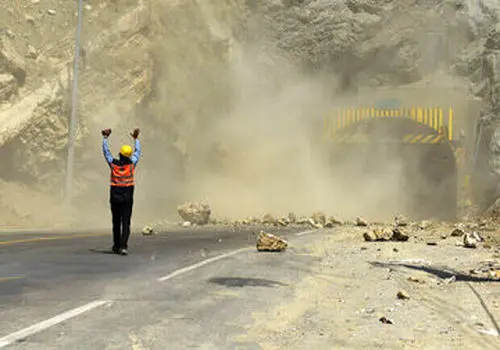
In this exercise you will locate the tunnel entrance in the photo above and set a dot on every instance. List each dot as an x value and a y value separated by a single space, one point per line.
397 166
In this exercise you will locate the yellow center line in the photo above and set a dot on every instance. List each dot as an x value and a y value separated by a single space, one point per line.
52 238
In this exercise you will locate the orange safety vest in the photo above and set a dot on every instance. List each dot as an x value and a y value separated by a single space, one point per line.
122 175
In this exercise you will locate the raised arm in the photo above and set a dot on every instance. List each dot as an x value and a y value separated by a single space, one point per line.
105 150
137 152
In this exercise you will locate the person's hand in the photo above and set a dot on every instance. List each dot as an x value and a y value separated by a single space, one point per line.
106 133
135 134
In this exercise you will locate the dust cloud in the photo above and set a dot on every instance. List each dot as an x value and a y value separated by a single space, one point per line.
269 155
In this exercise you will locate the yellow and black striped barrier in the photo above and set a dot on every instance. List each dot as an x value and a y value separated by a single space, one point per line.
424 138
433 117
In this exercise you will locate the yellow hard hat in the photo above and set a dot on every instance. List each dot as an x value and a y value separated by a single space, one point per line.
126 151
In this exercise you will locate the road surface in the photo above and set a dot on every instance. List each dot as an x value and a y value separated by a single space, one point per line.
177 290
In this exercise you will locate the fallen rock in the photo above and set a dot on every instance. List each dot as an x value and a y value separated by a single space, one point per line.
423 225
333 220
148 230
378 235
457 232
470 241
385 320
8 86
186 224
195 213
400 221
270 243
361 222
292 218
283 222
402 295
319 218
32 52
416 279
399 235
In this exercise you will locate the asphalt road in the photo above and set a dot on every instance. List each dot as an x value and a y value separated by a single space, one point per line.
112 297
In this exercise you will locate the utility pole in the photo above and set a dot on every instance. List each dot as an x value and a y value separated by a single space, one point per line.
72 120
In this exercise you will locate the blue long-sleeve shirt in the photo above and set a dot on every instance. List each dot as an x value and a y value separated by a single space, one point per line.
109 157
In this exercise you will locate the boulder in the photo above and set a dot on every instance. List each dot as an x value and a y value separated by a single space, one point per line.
195 213
148 230
270 243
269 219
361 222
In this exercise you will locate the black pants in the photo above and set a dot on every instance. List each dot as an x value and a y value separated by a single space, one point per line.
122 213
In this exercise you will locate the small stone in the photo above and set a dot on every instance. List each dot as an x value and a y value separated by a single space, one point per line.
385 320
51 12
370 236
282 222
148 230
432 243
416 280
186 224
34 2
444 236
457 232
32 52
335 221
402 295
361 222
395 250
425 224
29 19
88 7
10 34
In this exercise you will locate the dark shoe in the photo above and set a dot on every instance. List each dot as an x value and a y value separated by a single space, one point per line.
123 252
115 250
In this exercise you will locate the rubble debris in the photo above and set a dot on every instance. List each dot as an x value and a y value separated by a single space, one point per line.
292 218
332 221
186 224
148 230
361 222
283 222
319 218
386 234
424 225
29 19
385 320
270 243
457 232
400 221
403 295
399 235
269 219
195 213
51 12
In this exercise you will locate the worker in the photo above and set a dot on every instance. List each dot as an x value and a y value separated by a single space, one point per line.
122 188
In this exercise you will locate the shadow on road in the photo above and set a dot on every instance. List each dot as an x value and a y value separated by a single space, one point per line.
101 251
442 273
245 282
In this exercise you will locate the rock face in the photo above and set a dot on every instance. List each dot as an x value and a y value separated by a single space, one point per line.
270 243
195 213
8 86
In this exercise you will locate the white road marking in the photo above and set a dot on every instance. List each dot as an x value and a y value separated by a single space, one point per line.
13 337
201 263
213 259
305 232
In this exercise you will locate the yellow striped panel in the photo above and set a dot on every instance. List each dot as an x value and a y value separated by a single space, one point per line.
408 137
